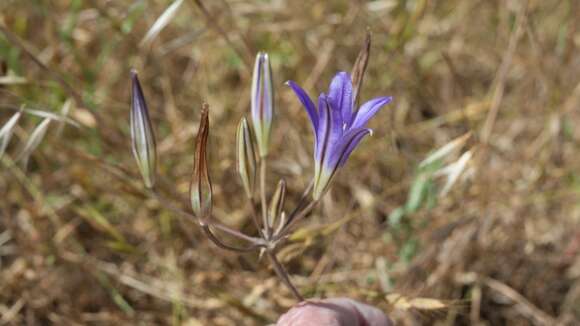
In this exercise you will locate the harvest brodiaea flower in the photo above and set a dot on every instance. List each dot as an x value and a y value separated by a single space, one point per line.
338 127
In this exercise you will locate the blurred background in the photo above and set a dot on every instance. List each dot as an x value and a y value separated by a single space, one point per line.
82 242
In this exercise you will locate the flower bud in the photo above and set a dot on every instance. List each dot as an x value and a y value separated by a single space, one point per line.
200 190
262 102
142 136
246 157
277 202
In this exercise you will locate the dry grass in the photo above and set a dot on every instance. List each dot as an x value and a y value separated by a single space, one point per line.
81 242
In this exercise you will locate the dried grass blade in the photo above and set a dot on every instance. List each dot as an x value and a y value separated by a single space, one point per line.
33 141
6 132
161 22
360 67
53 116
12 80
64 112
453 172
445 150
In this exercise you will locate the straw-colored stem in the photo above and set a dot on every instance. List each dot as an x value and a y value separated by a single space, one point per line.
283 275
296 218
222 245
265 221
302 202
255 217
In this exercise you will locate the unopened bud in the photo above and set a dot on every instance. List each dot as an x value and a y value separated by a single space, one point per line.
246 157
262 102
142 136
200 190
277 202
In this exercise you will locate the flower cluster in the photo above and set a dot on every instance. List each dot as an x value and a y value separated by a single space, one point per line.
338 123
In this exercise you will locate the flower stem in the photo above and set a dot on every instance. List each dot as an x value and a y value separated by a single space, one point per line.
283 275
234 233
222 245
293 219
255 217
302 202
263 164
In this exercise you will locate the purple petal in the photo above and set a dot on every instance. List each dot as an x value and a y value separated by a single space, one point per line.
368 110
338 124
333 136
349 142
324 128
340 95
307 103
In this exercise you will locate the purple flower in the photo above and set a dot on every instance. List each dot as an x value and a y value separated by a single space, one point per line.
338 127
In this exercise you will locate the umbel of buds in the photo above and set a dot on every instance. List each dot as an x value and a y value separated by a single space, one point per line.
142 136
338 123
262 102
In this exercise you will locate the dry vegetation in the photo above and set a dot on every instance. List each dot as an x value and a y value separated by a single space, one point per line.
81 242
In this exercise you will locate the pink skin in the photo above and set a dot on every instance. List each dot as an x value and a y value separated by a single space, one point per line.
334 312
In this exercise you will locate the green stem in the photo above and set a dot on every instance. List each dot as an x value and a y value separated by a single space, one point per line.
264 205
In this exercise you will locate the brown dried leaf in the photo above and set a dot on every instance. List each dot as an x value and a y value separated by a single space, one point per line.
360 67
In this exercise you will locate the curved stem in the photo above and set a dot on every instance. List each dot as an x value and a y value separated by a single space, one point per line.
234 233
283 275
222 245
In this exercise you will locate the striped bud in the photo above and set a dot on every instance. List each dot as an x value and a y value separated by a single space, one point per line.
200 191
262 102
277 202
142 136
246 157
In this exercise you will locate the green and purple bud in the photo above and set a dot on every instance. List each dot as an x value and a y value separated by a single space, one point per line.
277 202
142 135
262 102
246 162
200 191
